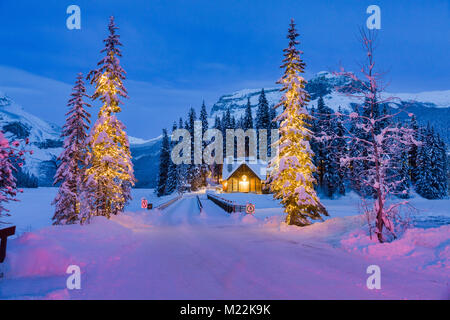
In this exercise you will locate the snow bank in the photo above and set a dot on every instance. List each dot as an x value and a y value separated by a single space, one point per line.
37 255
49 251
182 253
428 248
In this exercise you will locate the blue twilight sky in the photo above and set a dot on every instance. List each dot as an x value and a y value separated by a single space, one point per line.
177 53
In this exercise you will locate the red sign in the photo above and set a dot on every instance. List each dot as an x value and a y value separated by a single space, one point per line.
250 208
144 204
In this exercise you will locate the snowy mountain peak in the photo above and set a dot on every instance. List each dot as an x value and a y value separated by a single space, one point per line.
432 106
322 84
44 138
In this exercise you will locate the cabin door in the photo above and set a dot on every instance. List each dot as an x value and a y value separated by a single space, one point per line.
244 184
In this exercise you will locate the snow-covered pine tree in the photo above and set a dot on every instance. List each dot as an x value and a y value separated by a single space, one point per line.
413 150
400 172
339 150
204 170
182 169
233 122
291 178
438 166
180 123
327 152
225 124
355 150
247 123
216 168
403 187
110 171
240 122
423 172
226 120
248 117
193 170
322 156
432 167
273 124
217 124
332 152
272 117
164 162
172 176
8 187
71 172
379 141
262 120
262 112
204 118
444 176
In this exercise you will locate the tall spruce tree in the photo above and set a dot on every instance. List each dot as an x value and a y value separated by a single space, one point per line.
225 124
172 176
164 162
262 120
262 112
424 185
110 171
71 172
248 117
247 123
413 150
400 170
327 152
323 159
182 169
217 167
444 176
438 164
432 170
292 179
204 118
203 167
193 169
339 151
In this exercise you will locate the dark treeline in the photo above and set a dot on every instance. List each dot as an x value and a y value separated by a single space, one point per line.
423 168
192 176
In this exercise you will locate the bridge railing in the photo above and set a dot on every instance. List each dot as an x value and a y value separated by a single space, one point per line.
199 203
227 205
168 203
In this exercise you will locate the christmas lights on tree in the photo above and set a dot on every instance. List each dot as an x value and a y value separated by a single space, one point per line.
110 174
291 178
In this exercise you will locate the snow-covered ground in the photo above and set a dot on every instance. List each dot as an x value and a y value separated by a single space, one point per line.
34 210
184 253
426 213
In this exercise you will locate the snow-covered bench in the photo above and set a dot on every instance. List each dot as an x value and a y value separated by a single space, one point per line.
4 234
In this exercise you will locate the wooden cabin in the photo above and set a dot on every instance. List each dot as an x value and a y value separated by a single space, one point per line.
243 176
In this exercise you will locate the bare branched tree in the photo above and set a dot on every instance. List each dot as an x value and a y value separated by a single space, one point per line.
380 143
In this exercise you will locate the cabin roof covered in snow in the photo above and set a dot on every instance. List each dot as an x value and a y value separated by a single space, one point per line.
258 167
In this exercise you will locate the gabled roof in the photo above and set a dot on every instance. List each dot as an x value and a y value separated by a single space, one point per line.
258 167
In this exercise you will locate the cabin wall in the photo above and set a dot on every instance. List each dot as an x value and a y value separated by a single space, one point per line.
235 182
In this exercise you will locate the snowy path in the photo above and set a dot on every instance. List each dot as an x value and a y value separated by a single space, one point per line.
188 254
